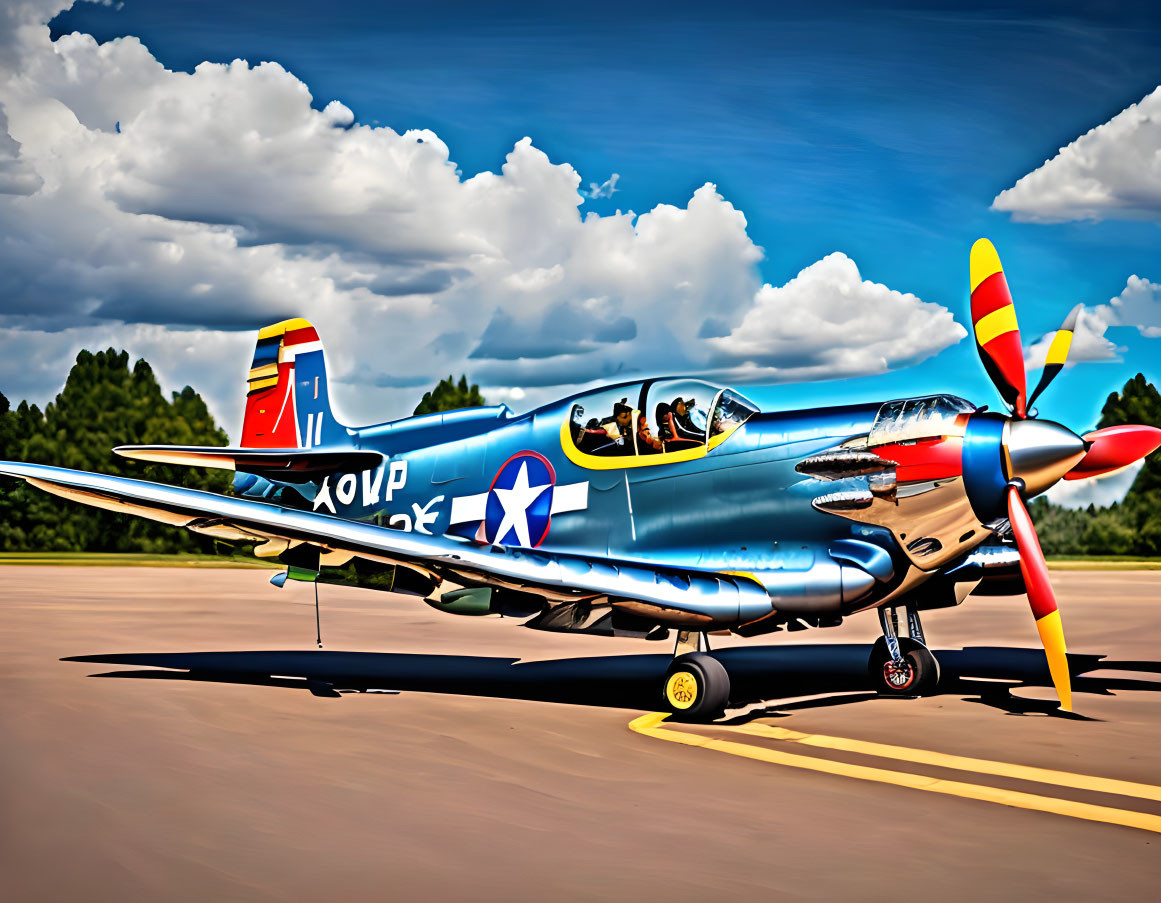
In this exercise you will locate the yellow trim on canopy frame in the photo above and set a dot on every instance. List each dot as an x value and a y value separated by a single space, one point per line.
617 462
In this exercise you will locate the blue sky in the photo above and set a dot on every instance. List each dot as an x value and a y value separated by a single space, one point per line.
881 131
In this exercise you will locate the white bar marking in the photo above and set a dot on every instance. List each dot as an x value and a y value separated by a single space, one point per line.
570 497
467 508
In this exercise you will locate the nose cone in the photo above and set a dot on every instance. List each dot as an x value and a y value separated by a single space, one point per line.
1040 452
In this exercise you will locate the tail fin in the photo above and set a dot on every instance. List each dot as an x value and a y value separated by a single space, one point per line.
287 404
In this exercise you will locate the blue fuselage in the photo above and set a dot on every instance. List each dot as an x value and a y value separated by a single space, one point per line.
740 505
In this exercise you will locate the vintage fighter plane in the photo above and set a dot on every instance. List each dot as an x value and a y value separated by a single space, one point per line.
653 505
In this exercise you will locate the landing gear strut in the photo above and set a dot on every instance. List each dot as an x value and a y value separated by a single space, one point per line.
902 666
696 686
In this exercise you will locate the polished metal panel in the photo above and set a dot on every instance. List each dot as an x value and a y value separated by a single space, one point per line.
994 556
1040 453
848 500
838 464
873 559
932 520
985 558
827 587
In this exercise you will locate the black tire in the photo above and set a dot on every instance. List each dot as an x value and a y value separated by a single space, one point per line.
696 687
920 679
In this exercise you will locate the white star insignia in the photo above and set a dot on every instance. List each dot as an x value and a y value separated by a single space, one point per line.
515 502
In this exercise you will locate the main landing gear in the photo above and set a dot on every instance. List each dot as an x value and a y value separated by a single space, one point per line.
696 686
902 666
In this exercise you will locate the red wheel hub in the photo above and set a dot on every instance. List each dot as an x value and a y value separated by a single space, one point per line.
898 677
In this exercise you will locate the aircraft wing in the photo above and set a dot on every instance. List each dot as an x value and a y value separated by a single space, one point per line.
722 598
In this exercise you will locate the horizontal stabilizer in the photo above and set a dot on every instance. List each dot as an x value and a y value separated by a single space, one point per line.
290 465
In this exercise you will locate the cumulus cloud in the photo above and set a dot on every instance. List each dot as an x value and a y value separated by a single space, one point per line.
829 321
214 362
1089 342
1098 491
1112 171
1137 306
606 189
171 213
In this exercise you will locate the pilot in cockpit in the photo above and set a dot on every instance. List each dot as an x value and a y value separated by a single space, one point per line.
618 429
621 423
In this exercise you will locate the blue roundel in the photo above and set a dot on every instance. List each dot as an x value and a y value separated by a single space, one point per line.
520 502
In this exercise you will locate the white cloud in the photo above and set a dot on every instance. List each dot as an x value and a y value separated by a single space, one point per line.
606 189
829 321
1138 306
1099 491
1089 343
171 213
215 362
1112 171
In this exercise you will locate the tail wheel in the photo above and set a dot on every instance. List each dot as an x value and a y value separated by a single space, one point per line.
917 675
696 687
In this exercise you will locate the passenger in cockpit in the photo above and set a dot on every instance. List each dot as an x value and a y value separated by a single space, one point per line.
669 431
684 421
647 443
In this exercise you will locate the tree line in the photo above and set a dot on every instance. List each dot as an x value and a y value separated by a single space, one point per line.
105 403
1129 527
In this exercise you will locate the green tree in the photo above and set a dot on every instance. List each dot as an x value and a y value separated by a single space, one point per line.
7 428
104 403
1130 527
450 396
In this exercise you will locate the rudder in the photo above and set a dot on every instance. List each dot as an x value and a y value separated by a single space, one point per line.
287 401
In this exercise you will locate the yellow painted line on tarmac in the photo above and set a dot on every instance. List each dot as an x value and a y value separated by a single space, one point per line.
959 763
648 725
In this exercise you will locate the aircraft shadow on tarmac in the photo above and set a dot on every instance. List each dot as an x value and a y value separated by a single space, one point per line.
835 673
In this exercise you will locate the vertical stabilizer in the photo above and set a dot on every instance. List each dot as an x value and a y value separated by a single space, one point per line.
287 402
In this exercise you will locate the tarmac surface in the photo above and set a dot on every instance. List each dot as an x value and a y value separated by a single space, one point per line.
216 757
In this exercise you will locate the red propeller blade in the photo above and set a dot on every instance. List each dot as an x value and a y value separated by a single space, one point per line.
1115 447
1040 596
996 330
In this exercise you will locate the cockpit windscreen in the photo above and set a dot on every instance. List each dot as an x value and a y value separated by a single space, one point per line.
917 418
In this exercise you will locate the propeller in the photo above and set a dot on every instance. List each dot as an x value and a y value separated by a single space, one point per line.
1114 447
1033 454
1057 353
994 324
1041 598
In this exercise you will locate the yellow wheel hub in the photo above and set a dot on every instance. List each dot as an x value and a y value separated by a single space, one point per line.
681 690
